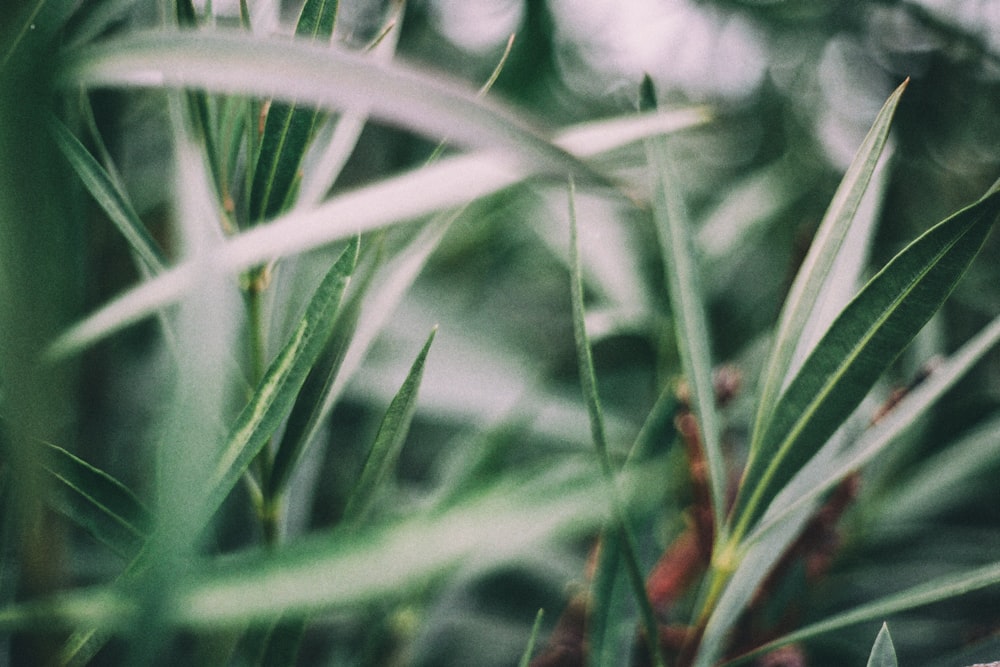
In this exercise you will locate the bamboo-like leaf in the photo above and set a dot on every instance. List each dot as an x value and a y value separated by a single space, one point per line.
883 652
289 127
530 646
867 336
388 443
687 308
449 183
625 542
280 385
943 588
238 63
97 502
876 439
109 197
347 568
815 267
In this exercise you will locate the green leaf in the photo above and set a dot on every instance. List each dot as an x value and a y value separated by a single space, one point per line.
942 588
530 647
867 336
388 443
289 128
97 502
883 652
238 63
275 395
109 197
687 308
348 568
813 274
625 542
449 183
873 441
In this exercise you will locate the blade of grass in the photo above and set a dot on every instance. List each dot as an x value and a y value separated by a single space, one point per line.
883 652
109 197
282 381
289 127
388 443
449 183
687 307
943 588
866 337
588 381
813 273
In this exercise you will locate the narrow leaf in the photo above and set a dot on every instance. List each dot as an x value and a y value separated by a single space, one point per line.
277 390
625 541
883 652
289 127
388 443
867 336
815 267
530 647
943 588
109 197
97 502
687 308
238 63
449 183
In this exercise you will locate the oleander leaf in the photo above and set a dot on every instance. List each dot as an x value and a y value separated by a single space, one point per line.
861 343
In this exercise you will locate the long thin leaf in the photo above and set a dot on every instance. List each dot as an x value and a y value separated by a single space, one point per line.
449 183
97 502
815 267
688 311
913 406
867 336
109 197
883 652
345 569
388 443
289 127
943 588
280 385
238 63
588 381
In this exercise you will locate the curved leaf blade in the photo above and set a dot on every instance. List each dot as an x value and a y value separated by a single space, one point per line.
276 393
865 338
238 63
809 280
389 441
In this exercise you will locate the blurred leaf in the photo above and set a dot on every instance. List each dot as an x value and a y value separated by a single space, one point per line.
883 652
801 300
275 395
109 197
283 642
942 588
239 63
289 127
347 568
690 320
449 183
530 647
867 336
388 443
97 502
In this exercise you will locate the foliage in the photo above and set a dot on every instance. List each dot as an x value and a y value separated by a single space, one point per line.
282 385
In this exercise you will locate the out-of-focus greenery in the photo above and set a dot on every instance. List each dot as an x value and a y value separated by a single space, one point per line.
363 346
